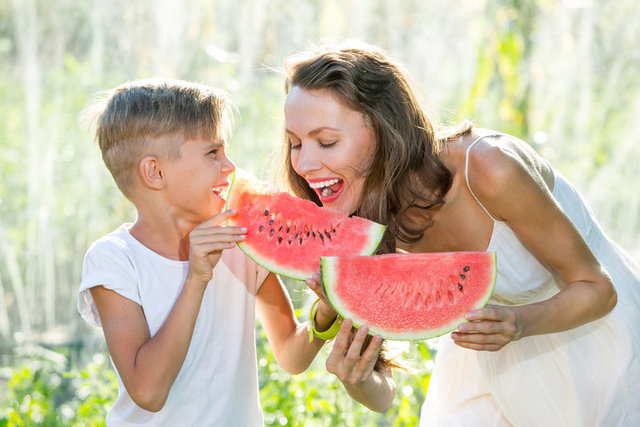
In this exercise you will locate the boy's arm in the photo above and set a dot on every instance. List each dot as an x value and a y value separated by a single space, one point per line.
288 338
293 352
148 366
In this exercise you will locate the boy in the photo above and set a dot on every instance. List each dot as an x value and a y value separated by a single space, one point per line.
174 295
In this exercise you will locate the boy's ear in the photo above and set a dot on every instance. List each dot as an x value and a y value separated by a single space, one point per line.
151 172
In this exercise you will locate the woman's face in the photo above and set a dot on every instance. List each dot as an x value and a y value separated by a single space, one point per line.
331 146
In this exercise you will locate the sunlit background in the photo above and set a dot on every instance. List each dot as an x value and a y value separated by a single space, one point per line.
562 75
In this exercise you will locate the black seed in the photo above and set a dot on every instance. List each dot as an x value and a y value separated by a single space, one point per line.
279 239
333 230
261 228
328 234
313 233
300 240
296 236
466 268
308 234
266 213
271 232
288 229
459 286
271 222
462 276
321 236
281 227
290 240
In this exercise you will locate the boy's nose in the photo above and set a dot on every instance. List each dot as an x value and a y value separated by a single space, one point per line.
228 166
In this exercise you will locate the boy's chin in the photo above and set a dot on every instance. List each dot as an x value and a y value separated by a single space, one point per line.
217 205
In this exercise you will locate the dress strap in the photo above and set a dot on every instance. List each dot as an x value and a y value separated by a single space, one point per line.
466 174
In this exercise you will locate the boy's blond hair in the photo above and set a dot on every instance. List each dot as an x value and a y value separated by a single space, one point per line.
155 117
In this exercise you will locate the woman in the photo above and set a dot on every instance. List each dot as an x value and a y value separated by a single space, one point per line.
552 348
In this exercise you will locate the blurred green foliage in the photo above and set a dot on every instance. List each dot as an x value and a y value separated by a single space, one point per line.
44 391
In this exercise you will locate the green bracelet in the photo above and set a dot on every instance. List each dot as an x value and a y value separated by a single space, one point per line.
330 333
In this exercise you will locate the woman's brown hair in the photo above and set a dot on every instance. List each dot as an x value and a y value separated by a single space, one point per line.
406 173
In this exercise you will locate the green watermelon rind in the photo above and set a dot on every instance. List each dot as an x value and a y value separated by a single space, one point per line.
376 232
329 279
375 235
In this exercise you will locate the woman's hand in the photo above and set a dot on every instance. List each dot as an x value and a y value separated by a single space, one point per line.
489 328
347 361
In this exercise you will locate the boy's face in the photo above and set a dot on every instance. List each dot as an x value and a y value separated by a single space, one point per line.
196 179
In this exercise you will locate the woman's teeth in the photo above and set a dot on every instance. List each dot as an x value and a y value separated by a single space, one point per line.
324 183
327 192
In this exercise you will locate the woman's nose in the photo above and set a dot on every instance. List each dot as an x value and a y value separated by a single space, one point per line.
306 160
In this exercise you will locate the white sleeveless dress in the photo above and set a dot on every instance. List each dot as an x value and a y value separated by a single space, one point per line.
587 376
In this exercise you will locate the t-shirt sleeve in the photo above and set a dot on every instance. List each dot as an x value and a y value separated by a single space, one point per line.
106 264
261 276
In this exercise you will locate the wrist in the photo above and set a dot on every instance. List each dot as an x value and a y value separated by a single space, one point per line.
324 334
323 319
195 283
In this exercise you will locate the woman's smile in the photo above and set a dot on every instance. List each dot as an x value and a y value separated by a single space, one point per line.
331 146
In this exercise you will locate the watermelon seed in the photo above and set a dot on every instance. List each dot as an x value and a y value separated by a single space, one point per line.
279 239
266 213
301 240
450 298
328 235
313 233
462 276
271 222
261 228
308 233
466 268
321 236
290 240
288 229
459 286
281 227
296 236
271 232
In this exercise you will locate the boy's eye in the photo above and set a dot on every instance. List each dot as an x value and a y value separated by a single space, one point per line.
214 151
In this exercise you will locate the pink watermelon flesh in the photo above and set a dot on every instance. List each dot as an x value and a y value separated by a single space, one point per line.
288 235
409 296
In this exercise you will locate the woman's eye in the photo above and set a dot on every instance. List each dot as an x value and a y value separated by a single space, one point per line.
326 144
294 146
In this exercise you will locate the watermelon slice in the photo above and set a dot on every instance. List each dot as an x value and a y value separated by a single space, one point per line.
288 235
409 296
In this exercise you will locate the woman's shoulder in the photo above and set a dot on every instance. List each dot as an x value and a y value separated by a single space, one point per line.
491 160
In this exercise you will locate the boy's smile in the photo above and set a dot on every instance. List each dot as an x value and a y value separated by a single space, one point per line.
197 180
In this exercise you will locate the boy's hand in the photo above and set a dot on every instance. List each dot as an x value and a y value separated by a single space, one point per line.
325 311
207 241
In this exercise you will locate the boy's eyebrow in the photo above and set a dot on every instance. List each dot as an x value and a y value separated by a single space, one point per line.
215 144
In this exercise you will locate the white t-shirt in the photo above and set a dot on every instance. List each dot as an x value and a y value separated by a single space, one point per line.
218 381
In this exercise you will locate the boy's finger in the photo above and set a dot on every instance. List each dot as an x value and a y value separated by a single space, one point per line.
218 218
203 239
214 230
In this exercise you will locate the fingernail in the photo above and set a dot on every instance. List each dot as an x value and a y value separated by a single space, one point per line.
243 229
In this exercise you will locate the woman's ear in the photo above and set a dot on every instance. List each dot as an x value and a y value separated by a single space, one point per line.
151 173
